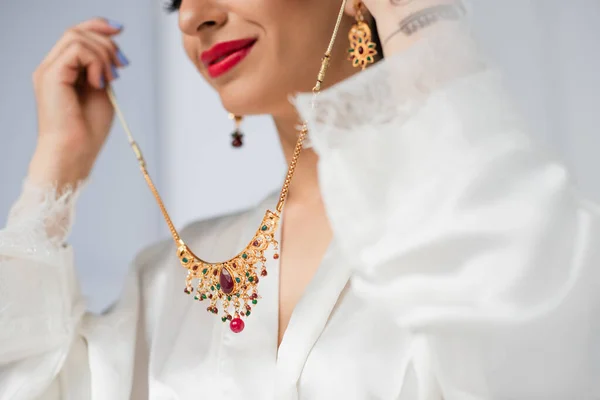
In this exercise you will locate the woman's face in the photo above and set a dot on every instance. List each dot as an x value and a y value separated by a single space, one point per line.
255 53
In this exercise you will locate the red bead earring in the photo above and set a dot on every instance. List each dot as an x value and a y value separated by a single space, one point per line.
237 134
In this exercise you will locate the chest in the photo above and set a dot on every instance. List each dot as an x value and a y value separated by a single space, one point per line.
333 345
305 238
355 355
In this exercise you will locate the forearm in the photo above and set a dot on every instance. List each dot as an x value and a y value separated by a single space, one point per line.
403 22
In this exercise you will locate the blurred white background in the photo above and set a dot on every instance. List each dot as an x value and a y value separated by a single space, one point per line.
548 50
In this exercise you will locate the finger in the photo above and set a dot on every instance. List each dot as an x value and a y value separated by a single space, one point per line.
98 25
70 36
117 54
78 57
106 49
102 26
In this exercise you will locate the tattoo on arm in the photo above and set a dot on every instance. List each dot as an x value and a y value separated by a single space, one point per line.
427 17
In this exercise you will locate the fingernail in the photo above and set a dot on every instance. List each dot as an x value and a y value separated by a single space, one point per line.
121 57
114 24
114 71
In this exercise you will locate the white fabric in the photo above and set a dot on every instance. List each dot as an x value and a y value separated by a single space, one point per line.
463 267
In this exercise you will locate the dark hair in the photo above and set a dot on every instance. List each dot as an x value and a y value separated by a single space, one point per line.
376 38
173 5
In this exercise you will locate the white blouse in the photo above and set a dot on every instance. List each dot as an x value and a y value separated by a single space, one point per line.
464 266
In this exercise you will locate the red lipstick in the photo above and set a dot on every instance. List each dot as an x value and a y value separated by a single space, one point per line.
222 57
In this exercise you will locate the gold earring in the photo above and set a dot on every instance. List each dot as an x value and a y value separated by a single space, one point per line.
237 134
362 50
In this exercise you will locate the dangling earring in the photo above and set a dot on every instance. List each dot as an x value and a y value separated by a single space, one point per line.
362 50
237 134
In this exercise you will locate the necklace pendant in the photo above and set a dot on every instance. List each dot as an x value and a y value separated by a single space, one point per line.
232 284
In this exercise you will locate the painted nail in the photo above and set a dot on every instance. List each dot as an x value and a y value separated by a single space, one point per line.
114 24
121 57
114 71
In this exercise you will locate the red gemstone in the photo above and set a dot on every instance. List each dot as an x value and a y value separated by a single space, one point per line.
276 256
254 296
226 281
360 50
255 244
215 272
263 272
237 325
256 279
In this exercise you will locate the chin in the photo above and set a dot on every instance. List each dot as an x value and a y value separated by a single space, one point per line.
249 97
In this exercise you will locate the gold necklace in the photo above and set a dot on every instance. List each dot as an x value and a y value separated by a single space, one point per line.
233 283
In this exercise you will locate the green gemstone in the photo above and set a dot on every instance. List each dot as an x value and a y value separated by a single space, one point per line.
204 271
244 256
238 280
196 297
247 273
185 260
254 301
228 298
203 296
264 228
371 45
369 58
350 50
218 286
212 288
247 313
251 279
237 294
223 319
359 40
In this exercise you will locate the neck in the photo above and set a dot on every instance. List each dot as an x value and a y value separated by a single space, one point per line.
304 187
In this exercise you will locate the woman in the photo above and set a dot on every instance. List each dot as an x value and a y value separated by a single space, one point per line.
429 249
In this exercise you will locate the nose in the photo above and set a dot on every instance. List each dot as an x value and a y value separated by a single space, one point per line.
196 16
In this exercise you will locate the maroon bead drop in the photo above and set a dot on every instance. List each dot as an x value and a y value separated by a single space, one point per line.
237 139
360 50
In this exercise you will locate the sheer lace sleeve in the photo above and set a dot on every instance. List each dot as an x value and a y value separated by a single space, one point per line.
460 228
41 219
49 347
39 297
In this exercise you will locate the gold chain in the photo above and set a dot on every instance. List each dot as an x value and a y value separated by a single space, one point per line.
235 280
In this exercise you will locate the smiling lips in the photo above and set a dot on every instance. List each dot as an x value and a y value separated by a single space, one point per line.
222 57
